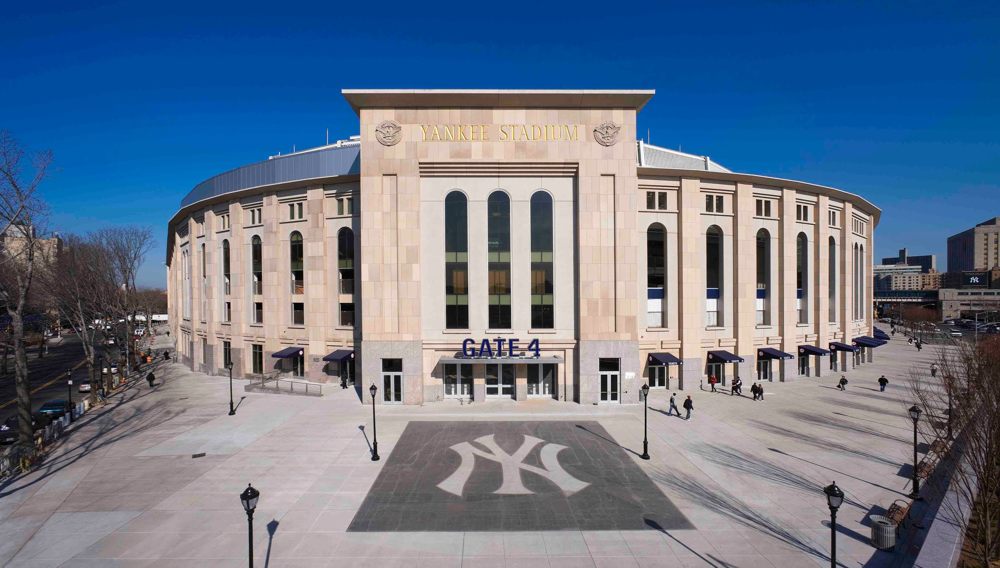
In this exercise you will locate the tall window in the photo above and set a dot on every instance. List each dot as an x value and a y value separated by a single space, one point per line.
802 277
832 274
227 354
226 288
186 272
656 275
204 284
257 265
763 277
713 277
295 258
498 246
456 261
257 359
862 297
345 267
542 287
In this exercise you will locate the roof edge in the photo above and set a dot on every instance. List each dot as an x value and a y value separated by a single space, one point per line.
497 98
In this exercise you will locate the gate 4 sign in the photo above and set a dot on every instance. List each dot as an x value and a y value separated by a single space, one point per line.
499 347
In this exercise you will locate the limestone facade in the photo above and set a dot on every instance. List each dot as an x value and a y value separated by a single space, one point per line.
504 155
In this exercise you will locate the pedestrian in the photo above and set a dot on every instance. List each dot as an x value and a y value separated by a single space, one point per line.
842 384
737 385
933 369
753 390
673 406
760 392
920 345
689 406
909 340
882 381
711 382
150 378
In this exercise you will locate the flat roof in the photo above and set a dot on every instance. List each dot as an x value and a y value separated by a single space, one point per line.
496 98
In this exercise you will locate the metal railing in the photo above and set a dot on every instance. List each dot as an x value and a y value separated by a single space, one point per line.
275 382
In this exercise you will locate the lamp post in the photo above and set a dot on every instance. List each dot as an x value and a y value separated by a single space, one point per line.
834 498
915 416
69 393
232 409
645 421
249 499
375 457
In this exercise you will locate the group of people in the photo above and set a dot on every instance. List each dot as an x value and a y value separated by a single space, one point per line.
688 406
757 390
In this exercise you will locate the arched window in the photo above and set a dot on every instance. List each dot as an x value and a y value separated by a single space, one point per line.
186 275
345 270
856 292
456 261
714 277
832 274
296 262
498 248
656 275
226 288
542 282
763 277
204 284
802 277
257 265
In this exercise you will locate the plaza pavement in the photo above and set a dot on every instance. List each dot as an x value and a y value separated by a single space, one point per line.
126 490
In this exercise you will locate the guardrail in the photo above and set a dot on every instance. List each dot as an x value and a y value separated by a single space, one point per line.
276 384
15 459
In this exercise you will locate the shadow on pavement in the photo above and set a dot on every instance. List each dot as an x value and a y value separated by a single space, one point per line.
629 450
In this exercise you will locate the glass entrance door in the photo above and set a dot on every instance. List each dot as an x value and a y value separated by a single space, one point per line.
658 376
542 380
392 380
764 370
458 381
610 381
500 381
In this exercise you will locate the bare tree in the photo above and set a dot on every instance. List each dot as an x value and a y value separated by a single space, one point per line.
966 401
21 212
127 248
81 288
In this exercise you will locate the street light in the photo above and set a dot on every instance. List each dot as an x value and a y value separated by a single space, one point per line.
232 409
645 421
69 393
915 416
249 498
834 498
375 456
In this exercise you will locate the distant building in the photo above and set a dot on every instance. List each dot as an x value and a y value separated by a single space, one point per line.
977 248
966 303
926 262
14 238
892 276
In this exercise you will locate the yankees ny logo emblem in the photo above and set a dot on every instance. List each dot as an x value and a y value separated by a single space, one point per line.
511 466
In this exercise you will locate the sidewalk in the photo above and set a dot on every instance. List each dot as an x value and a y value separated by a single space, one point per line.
126 489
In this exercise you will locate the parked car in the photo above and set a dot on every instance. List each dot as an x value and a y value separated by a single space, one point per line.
54 408
9 432
84 386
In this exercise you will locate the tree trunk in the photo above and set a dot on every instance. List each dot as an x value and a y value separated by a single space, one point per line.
26 432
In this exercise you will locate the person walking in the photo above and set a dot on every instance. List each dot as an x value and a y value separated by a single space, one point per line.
150 378
753 390
882 381
760 392
673 406
920 345
711 382
842 384
689 406
933 369
737 386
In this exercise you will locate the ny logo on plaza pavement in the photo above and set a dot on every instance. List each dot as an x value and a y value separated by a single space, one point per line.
511 466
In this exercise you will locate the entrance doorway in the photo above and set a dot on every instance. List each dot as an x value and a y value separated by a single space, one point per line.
458 381
764 370
658 376
718 370
500 381
610 379
542 380
392 381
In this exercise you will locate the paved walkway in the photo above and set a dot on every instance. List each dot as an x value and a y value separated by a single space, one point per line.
126 488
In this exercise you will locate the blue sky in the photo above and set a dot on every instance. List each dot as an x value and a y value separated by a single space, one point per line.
897 102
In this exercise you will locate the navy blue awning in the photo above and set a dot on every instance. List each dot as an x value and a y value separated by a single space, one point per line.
879 334
838 346
866 341
812 350
772 353
723 357
664 359
287 352
340 355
